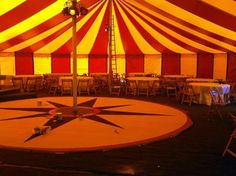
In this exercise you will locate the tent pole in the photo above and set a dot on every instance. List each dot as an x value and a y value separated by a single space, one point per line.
75 107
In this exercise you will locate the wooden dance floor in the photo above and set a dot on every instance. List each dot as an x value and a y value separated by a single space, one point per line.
101 123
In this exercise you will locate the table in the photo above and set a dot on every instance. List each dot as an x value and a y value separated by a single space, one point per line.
78 78
203 90
206 80
25 79
137 79
176 76
140 74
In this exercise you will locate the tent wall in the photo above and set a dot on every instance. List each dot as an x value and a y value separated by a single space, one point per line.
24 63
219 66
188 64
171 64
7 65
205 64
60 63
152 64
231 66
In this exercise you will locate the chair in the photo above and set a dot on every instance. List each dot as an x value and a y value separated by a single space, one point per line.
231 138
143 87
30 84
115 86
54 85
216 102
18 83
171 88
66 86
39 83
231 96
131 87
188 95
83 86
155 88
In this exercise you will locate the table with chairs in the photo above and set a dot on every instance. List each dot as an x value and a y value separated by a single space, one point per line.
141 85
203 88
84 84
28 82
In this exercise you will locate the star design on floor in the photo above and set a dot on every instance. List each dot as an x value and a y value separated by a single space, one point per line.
86 110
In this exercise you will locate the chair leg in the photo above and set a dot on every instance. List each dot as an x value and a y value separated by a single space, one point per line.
232 136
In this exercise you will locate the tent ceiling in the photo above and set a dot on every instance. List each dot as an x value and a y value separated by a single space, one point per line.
141 27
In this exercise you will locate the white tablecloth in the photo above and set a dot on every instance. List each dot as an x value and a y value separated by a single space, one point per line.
150 79
203 80
203 90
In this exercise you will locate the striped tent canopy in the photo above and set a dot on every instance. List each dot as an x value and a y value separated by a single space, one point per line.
161 36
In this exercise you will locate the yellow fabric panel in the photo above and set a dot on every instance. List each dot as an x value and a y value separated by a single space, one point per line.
42 64
152 64
188 64
7 65
119 46
82 65
121 64
9 5
220 66
87 42
143 45
33 21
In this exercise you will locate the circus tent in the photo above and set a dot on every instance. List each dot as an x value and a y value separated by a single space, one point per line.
156 36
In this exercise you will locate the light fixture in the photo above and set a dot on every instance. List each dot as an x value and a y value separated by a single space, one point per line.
70 8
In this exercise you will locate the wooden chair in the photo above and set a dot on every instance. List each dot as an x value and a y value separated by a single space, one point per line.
231 96
155 88
216 102
143 87
115 87
83 87
188 95
54 85
131 87
231 138
171 88
30 84
66 86
18 83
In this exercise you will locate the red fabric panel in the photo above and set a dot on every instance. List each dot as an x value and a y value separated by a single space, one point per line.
60 63
97 63
100 44
134 63
205 63
24 63
21 12
170 64
231 67
207 12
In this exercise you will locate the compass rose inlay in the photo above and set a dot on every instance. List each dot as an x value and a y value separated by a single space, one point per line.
97 110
